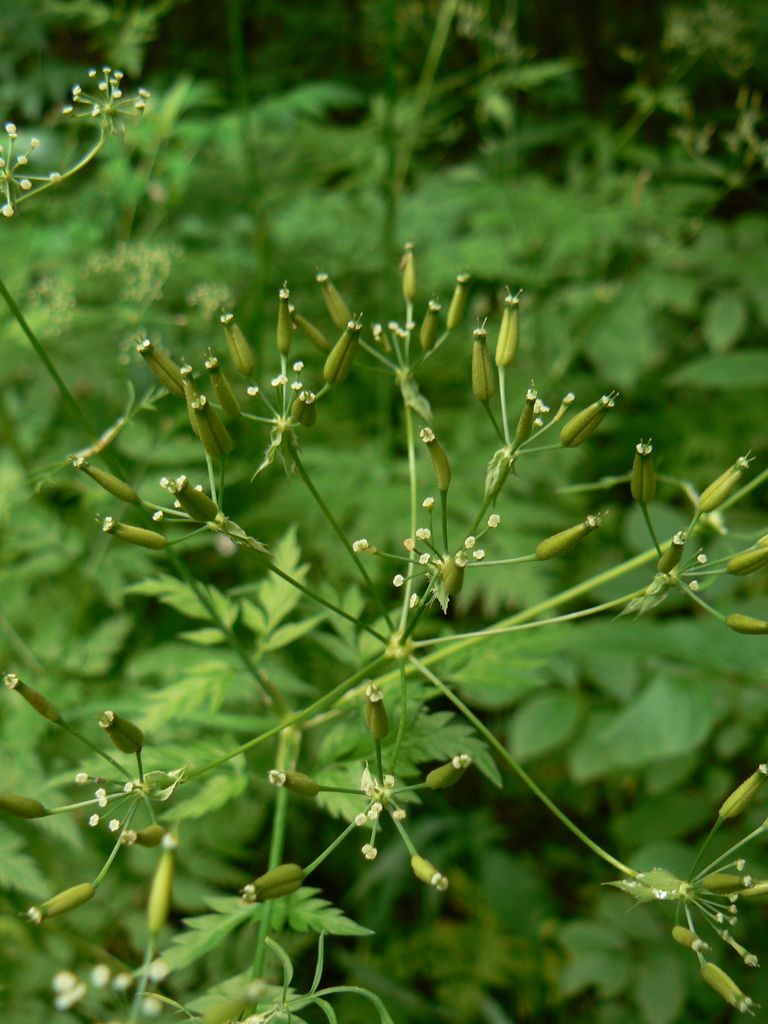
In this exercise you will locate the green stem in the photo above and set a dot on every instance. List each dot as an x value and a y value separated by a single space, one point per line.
379 763
110 860
700 855
84 739
403 714
732 849
492 418
138 997
503 402
413 501
404 836
649 524
329 850
444 518
703 604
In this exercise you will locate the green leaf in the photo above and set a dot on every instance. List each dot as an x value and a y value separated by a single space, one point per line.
290 632
499 671
544 723
441 735
625 318
207 931
305 912
206 636
725 320
95 653
18 870
186 599
732 372
659 987
214 793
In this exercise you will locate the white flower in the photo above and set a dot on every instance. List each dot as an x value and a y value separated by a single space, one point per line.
493 520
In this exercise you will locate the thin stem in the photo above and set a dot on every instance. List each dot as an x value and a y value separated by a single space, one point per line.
702 850
413 500
649 524
502 561
84 739
138 997
379 763
503 402
329 850
444 518
404 836
110 860
403 714
492 418
140 765
81 163
731 850
703 604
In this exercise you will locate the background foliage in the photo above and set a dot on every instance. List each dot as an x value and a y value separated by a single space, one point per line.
607 158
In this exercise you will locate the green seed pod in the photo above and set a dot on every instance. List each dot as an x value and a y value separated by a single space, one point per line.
717 979
458 305
426 872
68 899
311 332
746 562
284 324
688 938
196 503
763 541
722 881
295 782
744 794
161 364
524 427
561 542
112 484
223 389
159 903
670 559
337 308
35 700
746 624
304 409
643 484
430 326
191 394
483 379
339 359
509 331
206 423
408 268
134 534
714 495
758 891
586 422
452 572
124 734
440 464
21 806
376 717
240 351
448 774
150 836
279 881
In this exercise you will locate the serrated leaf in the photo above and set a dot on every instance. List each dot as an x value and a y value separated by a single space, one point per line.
206 636
205 932
185 599
440 735
95 653
214 793
305 912
290 632
17 869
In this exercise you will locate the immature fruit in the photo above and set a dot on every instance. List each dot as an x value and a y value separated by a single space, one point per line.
746 562
337 308
150 836
304 409
295 782
112 484
452 572
746 624
206 423
134 534
714 495
279 881
35 700
509 331
68 899
524 427
430 326
314 335
341 356
240 351
426 872
722 881
561 542
670 558
717 979
744 794
439 459
483 378
408 267
196 503
161 364
458 304
223 389
21 806
688 938
643 483
376 717
448 774
124 734
586 422
159 903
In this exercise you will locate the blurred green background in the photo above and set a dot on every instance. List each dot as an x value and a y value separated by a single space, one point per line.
607 158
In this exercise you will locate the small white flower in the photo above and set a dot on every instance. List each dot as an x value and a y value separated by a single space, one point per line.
428 503
114 824
151 1007
424 534
276 777
694 585
701 558
279 380
298 366
374 810
158 970
361 819
389 781
493 520
66 1000
129 787
409 544
252 391
93 821
100 976
398 580
400 814
469 542
158 516
424 559
479 554
122 982
360 545
8 210
101 797
81 778
413 601
427 435
440 882
369 852
64 981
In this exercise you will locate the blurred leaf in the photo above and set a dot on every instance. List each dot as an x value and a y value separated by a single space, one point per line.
733 372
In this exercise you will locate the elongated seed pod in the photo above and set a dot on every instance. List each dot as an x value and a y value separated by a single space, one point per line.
452 572
483 378
439 459
746 624
763 541
643 482
134 534
222 388
758 891
744 794
458 305
279 881
337 308
585 423
408 267
67 899
509 332
426 872
191 394
21 806
722 881
339 359
206 423
284 325
124 734
159 903
430 326
670 558
161 364
295 782
746 562
448 774
150 836
304 409
35 700
196 503
112 484
240 351
524 427
686 937
717 979
561 542
721 488
311 332
376 718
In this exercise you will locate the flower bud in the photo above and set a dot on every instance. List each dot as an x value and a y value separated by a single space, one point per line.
134 534
21 806
458 305
336 306
408 268
643 484
448 774
509 331
524 426
561 542
206 423
440 464
746 562
744 794
670 558
279 881
197 504
714 495
222 388
160 892
430 326
688 938
311 332
150 836
376 717
483 380
112 484
304 409
426 872
161 364
746 624
294 782
452 573
240 351
284 325
36 700
68 899
586 422
339 359
717 979
722 882
124 734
